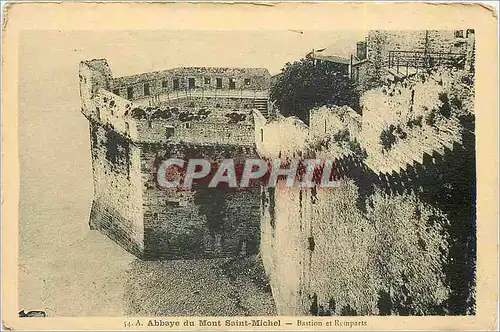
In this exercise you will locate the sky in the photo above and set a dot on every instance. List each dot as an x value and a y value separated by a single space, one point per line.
133 52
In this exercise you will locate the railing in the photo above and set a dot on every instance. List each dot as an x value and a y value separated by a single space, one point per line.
405 60
166 97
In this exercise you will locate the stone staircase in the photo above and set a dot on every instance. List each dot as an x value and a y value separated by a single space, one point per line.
262 105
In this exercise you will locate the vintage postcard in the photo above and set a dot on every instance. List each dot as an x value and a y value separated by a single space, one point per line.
249 166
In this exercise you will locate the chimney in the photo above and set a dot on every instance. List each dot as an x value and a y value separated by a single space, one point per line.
361 50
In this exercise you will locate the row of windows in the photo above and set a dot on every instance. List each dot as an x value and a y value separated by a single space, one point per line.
460 33
176 85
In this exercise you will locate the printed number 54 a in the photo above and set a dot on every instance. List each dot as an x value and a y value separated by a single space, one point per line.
130 324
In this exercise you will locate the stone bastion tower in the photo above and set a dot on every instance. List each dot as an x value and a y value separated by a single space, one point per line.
138 121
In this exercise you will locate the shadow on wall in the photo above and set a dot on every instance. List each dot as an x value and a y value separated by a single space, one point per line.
216 223
395 245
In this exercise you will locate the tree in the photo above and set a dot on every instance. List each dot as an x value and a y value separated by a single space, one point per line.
303 85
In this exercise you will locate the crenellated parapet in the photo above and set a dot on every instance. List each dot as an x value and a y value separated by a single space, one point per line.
404 121
227 121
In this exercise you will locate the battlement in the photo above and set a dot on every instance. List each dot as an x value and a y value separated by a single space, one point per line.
422 115
192 78
172 124
324 120
332 134
192 105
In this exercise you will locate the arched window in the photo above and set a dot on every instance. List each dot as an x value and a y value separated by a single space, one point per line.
262 135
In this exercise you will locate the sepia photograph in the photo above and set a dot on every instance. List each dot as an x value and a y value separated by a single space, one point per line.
250 178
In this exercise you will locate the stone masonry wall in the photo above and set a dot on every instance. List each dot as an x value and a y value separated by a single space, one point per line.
365 75
117 208
324 121
201 222
194 132
389 240
359 250
93 75
380 42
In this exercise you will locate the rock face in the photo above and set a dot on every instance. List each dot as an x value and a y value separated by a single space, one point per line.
179 113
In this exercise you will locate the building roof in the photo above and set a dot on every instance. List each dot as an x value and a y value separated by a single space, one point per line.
331 58
334 53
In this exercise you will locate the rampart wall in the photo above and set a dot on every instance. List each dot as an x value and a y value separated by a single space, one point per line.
391 238
354 249
117 210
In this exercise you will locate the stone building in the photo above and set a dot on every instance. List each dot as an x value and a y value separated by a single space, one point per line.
239 88
138 121
392 55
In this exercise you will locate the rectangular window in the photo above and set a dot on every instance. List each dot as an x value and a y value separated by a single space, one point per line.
219 83
146 89
130 92
232 84
191 83
247 81
164 84
169 132
207 80
176 84
459 34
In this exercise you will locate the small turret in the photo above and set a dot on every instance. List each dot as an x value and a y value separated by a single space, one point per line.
93 74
